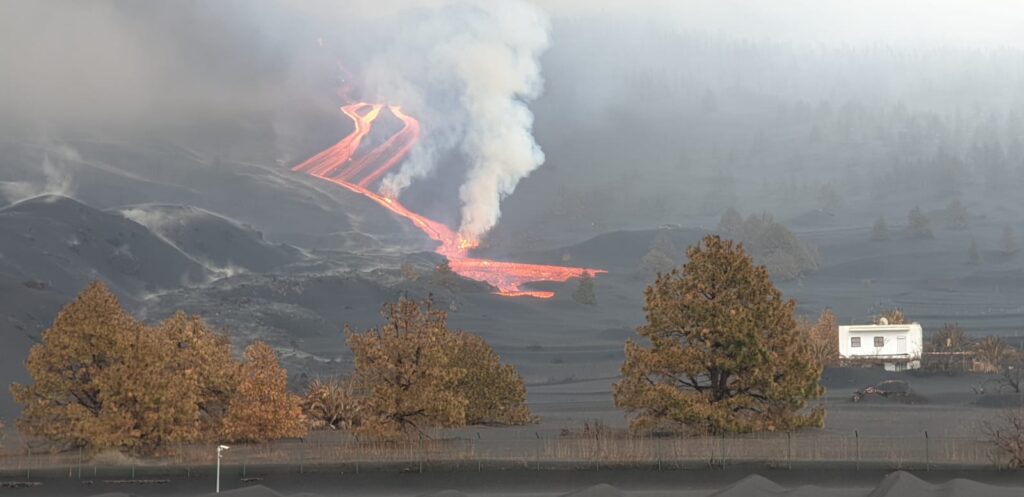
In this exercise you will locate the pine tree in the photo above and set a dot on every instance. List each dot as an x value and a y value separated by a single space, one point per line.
584 293
661 257
731 224
880 230
956 216
973 255
1009 241
262 409
918 224
724 354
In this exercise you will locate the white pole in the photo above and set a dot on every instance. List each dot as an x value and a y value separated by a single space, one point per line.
220 449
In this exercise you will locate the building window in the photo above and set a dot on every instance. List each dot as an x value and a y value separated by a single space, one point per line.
854 341
879 342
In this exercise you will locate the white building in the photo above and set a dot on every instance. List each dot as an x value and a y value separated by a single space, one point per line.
897 346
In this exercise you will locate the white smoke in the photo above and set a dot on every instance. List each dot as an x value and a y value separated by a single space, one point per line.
57 176
470 68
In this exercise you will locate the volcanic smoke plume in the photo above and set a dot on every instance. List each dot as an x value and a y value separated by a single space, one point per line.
468 70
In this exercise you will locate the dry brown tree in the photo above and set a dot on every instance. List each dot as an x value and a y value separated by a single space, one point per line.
414 373
403 369
262 409
102 380
206 355
724 353
992 354
332 404
823 338
495 393
409 272
1007 435
892 316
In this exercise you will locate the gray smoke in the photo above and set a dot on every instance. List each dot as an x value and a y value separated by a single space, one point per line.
471 68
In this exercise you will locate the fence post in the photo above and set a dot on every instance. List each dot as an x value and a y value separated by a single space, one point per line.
537 458
723 450
789 450
302 456
927 455
656 446
79 462
856 438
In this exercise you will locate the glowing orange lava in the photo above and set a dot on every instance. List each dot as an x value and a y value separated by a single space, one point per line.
339 165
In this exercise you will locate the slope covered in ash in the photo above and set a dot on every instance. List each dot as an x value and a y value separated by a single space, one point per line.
254 190
52 247
66 244
213 239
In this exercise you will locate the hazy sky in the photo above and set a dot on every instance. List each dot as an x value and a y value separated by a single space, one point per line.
129 59
957 22
981 23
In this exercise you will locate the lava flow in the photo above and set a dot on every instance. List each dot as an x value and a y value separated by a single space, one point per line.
339 165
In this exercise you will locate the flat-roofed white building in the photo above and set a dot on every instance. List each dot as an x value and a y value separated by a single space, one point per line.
896 346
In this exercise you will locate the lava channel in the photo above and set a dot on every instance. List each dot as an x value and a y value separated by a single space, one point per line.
339 165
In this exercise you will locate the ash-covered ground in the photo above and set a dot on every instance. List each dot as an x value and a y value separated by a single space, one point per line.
303 260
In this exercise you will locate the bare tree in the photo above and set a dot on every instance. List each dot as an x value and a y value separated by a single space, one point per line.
992 354
949 348
1007 435
1011 371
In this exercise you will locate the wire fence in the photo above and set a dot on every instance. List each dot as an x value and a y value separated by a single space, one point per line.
339 452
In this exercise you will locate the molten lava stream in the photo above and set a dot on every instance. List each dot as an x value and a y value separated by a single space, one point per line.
336 165
402 142
330 160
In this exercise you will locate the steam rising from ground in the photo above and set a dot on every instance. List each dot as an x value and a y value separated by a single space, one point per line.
472 68
57 177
